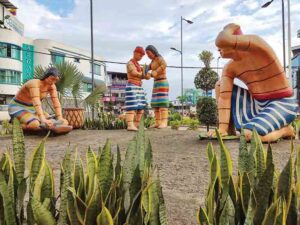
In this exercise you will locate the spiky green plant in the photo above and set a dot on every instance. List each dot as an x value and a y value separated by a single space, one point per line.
259 195
103 193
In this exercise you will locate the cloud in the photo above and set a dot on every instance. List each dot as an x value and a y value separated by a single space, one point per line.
121 25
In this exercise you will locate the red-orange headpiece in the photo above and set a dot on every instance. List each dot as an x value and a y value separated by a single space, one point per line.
139 50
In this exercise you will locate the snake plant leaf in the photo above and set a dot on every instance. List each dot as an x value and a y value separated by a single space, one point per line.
135 185
66 180
118 167
233 191
72 211
292 211
210 152
263 189
271 214
251 211
105 218
245 190
21 192
18 150
162 206
228 213
154 203
38 156
260 156
9 211
41 215
91 172
79 205
210 203
225 162
105 169
47 189
148 154
37 188
214 169
285 182
243 159
281 214
141 146
94 207
202 217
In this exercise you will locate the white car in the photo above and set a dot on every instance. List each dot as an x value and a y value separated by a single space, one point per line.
4 113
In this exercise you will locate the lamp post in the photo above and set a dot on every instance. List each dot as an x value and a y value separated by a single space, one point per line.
181 54
92 50
283 28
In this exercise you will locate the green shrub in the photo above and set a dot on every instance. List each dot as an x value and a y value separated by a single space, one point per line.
259 195
6 128
207 111
193 124
103 193
175 124
175 116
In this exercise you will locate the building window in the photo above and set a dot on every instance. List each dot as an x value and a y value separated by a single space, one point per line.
10 51
57 58
87 87
77 60
10 77
97 69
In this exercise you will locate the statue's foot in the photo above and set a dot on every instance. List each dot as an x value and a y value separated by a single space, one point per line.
288 132
162 126
132 128
154 126
61 129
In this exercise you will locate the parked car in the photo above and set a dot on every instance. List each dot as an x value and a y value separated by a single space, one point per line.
4 113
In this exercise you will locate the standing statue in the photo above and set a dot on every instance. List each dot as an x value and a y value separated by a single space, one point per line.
135 102
160 93
268 104
26 106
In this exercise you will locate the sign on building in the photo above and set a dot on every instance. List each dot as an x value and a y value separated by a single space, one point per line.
13 23
28 62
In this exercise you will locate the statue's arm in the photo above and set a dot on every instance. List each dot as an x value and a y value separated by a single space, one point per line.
231 37
34 91
131 69
224 101
55 101
162 66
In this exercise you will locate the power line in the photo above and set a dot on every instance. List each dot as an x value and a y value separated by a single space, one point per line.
101 61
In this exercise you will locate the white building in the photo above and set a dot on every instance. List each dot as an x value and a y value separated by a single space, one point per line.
19 56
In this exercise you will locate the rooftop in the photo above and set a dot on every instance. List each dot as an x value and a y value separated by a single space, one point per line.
7 4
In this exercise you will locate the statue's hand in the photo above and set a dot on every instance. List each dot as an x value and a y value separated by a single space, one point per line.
48 123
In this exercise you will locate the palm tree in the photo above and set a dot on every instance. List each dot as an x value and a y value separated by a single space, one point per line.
70 84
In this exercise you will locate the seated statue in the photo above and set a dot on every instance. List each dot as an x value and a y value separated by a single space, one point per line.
267 104
26 106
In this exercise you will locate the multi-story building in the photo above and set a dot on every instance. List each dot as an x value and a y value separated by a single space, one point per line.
115 94
19 56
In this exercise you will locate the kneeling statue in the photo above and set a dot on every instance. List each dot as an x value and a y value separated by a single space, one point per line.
267 104
26 106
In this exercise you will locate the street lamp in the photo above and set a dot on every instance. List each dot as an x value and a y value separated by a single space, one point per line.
92 50
181 53
283 27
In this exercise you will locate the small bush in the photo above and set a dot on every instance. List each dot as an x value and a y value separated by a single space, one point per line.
207 111
175 124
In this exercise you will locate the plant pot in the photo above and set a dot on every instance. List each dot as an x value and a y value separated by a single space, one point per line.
75 117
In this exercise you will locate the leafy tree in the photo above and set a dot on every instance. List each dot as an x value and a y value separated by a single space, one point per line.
207 111
206 78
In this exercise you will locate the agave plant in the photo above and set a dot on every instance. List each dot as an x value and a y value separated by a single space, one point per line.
103 193
259 196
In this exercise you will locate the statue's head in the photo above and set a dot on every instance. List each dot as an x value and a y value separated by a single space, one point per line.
227 51
152 52
138 53
51 76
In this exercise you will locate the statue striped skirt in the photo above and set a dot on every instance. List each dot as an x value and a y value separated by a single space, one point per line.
265 116
134 97
24 112
160 94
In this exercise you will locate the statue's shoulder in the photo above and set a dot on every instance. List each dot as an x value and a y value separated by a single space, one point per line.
33 83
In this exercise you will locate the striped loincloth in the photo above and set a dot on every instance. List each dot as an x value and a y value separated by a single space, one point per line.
23 111
160 94
134 97
265 116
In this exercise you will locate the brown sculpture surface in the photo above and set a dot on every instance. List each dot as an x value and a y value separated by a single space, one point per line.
267 104
26 106
160 93
135 102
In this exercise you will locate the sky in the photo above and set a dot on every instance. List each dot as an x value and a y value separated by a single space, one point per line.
119 26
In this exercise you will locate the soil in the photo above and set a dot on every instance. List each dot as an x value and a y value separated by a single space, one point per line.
179 155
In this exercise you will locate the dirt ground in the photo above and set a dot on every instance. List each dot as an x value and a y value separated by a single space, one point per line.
179 155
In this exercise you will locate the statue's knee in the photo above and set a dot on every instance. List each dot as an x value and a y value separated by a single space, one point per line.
248 134
33 124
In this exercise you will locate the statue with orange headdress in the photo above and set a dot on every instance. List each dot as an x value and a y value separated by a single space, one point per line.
135 102
26 106
267 104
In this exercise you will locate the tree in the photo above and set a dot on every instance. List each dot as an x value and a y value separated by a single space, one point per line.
207 111
206 78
